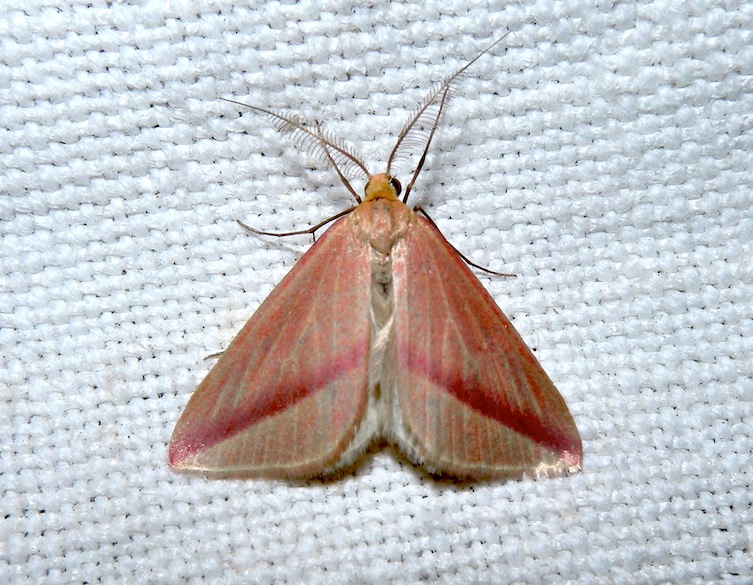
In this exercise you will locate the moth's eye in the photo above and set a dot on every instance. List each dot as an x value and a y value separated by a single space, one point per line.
396 185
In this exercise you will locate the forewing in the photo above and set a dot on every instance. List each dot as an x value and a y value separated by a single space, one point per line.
286 398
473 400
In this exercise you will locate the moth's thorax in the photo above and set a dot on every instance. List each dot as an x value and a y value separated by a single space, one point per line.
382 222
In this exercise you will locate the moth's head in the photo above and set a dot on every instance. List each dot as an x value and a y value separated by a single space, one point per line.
382 186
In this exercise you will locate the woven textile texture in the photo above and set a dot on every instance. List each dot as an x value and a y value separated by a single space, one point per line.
603 153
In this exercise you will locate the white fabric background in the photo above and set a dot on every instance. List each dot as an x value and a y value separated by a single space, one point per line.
603 153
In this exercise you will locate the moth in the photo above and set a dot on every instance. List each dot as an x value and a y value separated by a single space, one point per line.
380 331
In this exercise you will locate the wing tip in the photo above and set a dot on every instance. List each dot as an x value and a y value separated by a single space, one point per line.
179 454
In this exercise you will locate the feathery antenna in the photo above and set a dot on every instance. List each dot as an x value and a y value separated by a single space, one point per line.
426 117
